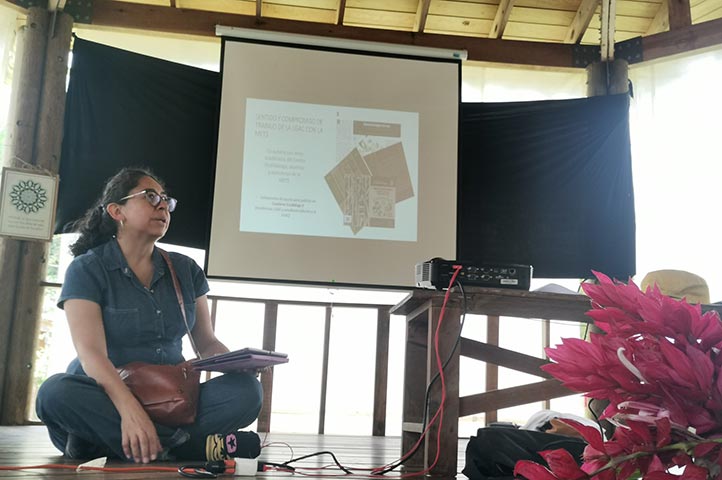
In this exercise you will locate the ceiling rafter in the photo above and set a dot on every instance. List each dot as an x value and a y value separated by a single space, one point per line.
579 25
660 22
114 14
501 19
680 14
422 13
164 18
340 12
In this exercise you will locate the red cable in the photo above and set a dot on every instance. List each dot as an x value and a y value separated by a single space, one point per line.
59 466
438 414
440 367
442 378
439 411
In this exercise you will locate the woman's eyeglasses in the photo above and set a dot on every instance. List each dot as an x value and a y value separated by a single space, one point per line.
154 198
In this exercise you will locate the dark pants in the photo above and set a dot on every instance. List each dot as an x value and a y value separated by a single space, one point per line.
75 404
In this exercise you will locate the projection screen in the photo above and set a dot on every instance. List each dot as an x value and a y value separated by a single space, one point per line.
333 166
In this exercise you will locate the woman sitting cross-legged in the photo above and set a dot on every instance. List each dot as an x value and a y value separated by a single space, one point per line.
121 307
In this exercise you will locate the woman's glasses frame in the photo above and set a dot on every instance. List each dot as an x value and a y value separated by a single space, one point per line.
154 198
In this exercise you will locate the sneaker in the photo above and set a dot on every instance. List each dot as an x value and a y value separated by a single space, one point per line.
79 449
233 445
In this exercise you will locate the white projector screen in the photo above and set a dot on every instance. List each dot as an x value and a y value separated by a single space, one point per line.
333 167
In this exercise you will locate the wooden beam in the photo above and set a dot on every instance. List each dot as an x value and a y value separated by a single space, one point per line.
700 35
680 14
108 13
340 12
511 397
422 12
609 11
501 19
579 25
660 22
259 5
172 4
490 353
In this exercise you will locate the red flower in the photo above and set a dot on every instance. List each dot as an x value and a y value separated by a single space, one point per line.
659 364
532 470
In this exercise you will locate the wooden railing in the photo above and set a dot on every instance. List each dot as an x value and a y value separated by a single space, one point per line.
482 352
270 322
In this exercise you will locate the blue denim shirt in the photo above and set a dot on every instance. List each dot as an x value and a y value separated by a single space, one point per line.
141 324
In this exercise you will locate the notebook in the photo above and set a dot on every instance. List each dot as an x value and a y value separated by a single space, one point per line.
238 360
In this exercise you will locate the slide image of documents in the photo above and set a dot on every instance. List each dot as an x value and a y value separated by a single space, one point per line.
374 176
334 171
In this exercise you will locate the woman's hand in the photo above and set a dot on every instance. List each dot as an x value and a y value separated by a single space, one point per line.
140 440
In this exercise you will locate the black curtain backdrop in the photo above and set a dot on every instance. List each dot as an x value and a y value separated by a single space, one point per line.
548 184
126 109
541 183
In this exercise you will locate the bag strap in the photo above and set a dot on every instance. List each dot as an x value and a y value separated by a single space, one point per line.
179 294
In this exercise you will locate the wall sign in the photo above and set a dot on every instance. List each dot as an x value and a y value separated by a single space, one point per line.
27 204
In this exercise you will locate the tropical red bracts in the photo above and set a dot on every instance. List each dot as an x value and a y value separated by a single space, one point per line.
658 363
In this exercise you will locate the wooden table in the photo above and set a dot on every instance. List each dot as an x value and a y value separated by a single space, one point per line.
422 309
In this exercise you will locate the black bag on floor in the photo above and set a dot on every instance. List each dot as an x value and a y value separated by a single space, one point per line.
495 450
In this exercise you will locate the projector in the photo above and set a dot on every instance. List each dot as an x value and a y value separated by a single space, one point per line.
437 273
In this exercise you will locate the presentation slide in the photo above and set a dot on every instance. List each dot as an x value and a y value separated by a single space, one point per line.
333 166
329 171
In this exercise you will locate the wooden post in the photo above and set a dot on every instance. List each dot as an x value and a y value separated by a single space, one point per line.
324 371
270 325
446 431
34 136
607 78
416 378
22 117
492 370
546 342
378 428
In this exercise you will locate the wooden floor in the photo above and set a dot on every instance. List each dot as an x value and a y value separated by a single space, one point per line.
30 445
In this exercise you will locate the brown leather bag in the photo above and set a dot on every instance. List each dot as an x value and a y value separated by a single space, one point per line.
168 393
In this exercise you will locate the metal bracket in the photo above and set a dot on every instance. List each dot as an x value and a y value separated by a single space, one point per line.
630 50
583 55
80 10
